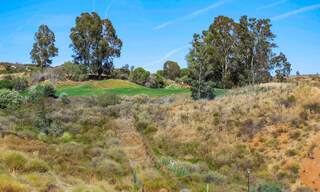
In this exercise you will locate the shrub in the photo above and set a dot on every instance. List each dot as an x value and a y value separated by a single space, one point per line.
107 168
10 99
175 167
64 98
291 152
20 84
37 165
75 72
41 181
44 89
294 168
214 177
105 100
139 76
15 161
268 187
6 84
155 81
7 184
202 90
66 137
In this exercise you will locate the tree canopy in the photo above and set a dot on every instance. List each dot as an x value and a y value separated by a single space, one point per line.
44 47
171 70
95 43
231 54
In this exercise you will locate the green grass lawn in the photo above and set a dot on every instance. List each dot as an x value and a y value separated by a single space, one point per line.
120 87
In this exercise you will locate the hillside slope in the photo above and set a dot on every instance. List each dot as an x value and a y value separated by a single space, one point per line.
166 143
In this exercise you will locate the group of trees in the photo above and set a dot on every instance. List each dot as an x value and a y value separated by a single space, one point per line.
94 41
226 55
232 54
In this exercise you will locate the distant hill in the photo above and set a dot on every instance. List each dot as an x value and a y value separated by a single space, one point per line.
6 67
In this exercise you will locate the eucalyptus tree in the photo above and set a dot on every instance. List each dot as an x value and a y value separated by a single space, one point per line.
44 48
200 70
95 43
282 67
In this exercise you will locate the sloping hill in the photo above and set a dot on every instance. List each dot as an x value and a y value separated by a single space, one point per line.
166 143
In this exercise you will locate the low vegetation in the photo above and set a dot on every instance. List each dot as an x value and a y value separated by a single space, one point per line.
120 143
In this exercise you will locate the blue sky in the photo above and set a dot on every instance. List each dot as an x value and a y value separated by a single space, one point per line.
154 31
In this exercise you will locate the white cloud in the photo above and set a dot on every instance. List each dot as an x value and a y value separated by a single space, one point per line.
296 12
272 4
193 14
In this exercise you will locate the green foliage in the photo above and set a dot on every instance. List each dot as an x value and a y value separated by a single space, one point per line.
66 137
171 70
283 67
155 81
75 72
6 84
268 187
230 53
139 76
44 47
202 90
44 89
121 73
10 99
95 43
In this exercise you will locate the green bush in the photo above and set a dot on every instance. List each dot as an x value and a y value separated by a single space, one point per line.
139 76
10 99
6 84
66 137
202 90
155 81
268 187
44 89
75 72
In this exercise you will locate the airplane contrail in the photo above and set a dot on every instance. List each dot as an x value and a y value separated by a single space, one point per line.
296 12
192 15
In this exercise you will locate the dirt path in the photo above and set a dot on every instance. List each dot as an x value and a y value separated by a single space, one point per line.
310 168
134 146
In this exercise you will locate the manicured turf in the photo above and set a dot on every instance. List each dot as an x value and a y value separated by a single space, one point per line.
120 87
